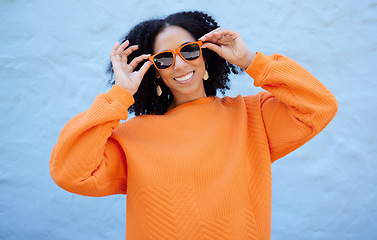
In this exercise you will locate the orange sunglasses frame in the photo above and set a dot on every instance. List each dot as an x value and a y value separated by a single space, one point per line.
175 52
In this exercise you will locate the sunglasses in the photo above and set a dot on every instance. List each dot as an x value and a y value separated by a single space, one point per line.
188 52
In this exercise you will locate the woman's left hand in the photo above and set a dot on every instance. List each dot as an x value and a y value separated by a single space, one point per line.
229 45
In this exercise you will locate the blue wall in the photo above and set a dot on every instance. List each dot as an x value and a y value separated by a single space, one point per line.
53 55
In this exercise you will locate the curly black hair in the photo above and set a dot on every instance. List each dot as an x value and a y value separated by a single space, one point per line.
144 34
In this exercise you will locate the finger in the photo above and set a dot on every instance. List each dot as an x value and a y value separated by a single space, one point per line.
138 60
230 36
223 32
128 51
114 60
212 47
145 68
205 36
217 34
122 47
115 47
113 51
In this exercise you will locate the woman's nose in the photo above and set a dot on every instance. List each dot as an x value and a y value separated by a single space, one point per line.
179 62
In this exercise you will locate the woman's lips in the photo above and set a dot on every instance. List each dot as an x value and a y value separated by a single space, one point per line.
185 78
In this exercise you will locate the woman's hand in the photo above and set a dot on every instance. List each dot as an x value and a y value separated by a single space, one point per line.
229 45
124 73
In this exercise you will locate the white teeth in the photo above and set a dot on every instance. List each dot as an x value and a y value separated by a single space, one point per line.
187 76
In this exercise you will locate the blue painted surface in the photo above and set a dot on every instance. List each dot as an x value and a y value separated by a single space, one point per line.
53 55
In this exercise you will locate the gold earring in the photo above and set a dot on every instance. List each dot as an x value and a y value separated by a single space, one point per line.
206 76
158 90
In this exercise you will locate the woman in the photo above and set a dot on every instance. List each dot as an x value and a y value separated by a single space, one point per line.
193 166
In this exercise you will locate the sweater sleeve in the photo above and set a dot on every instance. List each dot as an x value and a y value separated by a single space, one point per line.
297 106
87 160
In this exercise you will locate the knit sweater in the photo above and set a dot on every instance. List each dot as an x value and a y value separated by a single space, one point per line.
203 169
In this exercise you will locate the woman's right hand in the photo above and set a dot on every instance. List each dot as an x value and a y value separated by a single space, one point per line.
124 73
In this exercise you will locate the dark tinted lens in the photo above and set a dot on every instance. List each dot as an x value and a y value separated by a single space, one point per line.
163 60
191 51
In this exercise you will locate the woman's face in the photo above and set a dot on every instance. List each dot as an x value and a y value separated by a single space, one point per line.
185 79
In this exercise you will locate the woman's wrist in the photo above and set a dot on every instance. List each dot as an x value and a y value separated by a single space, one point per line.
248 60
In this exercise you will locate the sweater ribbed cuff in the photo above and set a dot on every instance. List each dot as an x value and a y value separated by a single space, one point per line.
260 67
120 96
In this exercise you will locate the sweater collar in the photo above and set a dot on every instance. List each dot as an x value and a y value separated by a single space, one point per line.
196 102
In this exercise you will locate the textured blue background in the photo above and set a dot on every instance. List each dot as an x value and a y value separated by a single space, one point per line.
53 56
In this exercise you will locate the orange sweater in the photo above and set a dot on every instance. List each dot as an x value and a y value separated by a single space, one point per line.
202 170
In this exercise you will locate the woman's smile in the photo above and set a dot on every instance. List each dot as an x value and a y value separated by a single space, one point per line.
183 79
